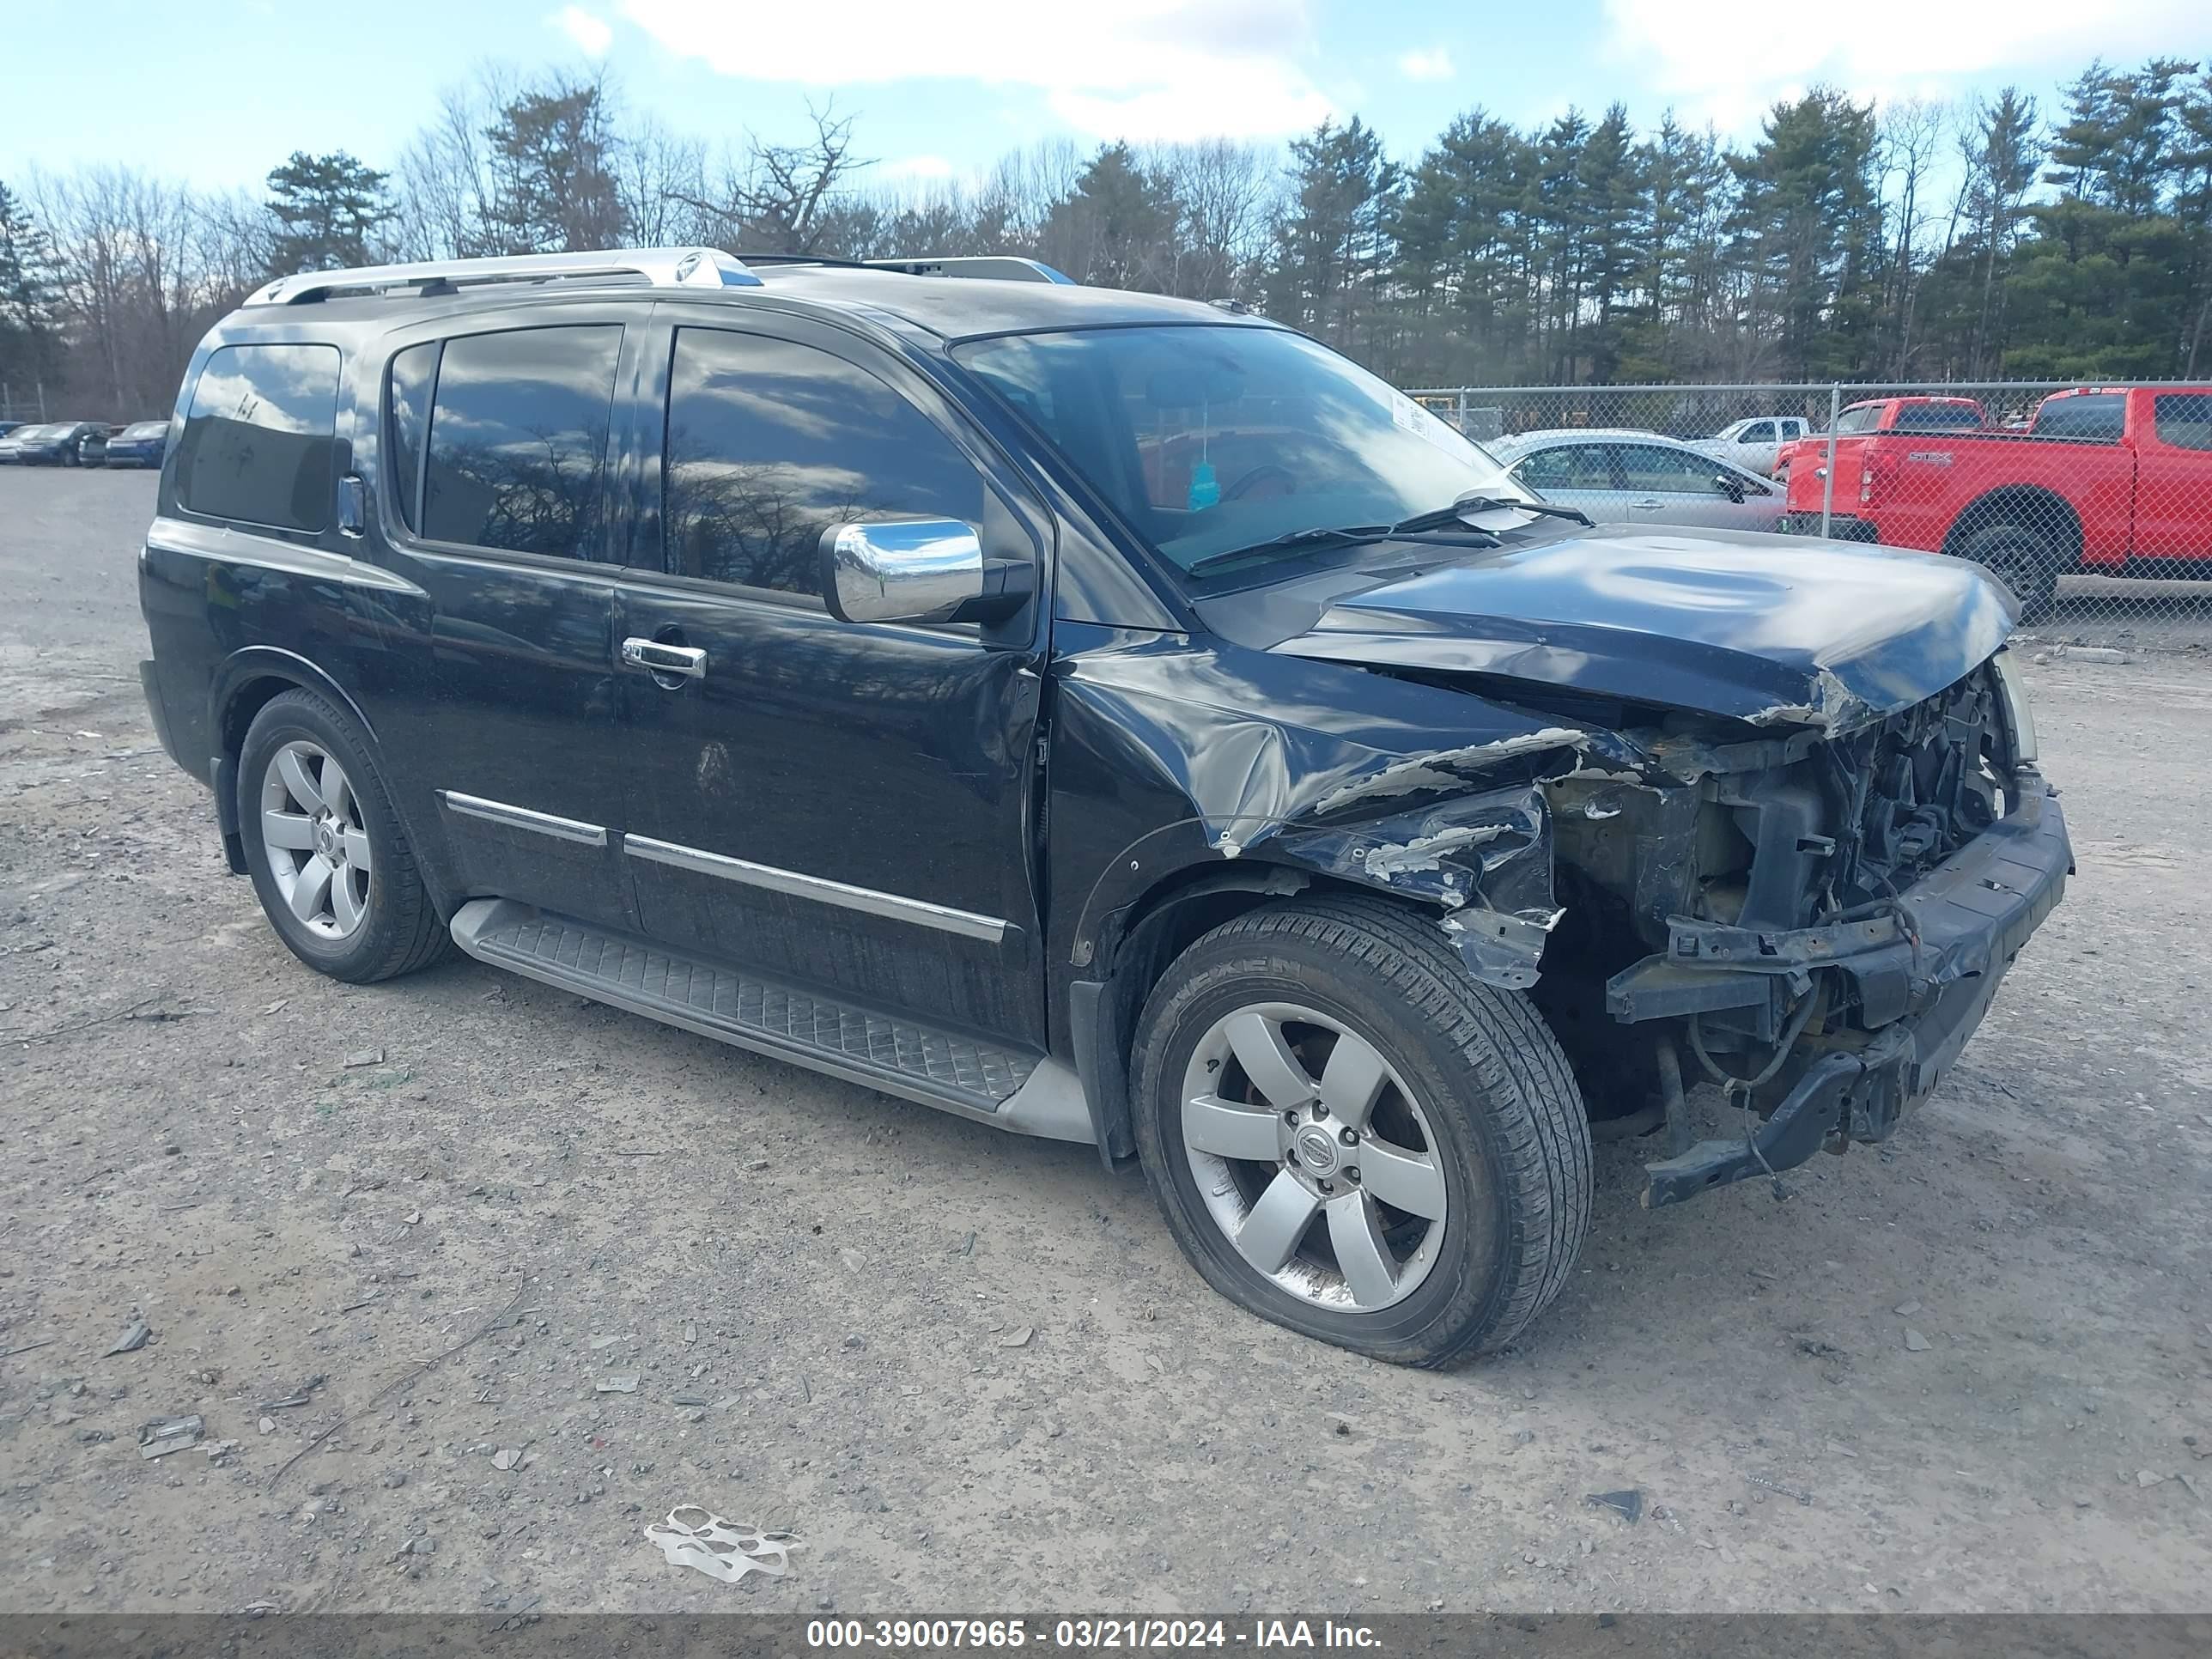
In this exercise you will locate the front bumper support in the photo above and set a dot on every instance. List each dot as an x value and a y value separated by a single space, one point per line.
1917 997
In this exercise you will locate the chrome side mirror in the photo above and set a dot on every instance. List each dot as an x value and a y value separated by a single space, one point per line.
905 570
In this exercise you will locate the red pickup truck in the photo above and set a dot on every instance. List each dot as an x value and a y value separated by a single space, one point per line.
1916 413
2109 478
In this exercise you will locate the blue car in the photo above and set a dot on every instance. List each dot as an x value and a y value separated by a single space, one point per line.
65 443
139 444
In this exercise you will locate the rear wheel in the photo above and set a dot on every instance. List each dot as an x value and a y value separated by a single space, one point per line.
2025 559
1351 1136
329 860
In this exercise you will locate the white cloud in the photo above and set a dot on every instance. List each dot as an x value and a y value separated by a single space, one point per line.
1137 69
1430 63
592 33
1711 71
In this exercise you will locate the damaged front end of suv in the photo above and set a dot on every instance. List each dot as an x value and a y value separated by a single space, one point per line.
1793 867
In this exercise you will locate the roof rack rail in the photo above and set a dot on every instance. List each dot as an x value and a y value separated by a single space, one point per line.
1004 267
656 267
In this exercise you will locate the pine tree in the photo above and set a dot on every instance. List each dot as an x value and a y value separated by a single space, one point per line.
30 333
327 209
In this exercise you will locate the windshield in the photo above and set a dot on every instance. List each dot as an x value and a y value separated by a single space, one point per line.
23 432
145 428
1207 439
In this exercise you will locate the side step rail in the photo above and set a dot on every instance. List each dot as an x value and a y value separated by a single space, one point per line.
1027 1093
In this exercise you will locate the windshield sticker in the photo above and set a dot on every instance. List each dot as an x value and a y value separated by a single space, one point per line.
1410 415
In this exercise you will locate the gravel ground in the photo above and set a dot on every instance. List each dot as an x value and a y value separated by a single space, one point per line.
970 1371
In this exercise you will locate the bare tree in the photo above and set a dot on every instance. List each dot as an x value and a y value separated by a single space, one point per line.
1912 133
782 196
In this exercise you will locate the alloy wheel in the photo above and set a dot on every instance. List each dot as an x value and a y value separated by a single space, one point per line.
313 837
1313 1159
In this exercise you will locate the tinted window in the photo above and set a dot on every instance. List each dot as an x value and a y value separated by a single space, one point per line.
2183 419
409 419
1758 432
519 440
2098 416
1571 466
1647 466
260 442
770 443
1939 417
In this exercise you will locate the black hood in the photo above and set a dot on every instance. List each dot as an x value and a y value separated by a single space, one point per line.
1765 628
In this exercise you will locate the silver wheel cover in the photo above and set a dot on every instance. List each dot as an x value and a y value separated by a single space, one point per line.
1317 1162
312 836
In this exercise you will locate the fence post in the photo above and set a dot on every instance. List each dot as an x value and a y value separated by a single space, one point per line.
1828 473
1459 412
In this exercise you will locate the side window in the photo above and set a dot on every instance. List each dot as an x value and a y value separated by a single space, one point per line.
1858 420
1758 432
1571 466
770 443
2183 419
406 423
2100 414
1647 466
260 442
519 440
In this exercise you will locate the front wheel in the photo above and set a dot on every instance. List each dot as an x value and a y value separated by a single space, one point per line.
1348 1135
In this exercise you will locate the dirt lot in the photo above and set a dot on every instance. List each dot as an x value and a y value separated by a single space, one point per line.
183 1140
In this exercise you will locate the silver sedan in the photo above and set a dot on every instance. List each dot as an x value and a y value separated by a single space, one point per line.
1639 478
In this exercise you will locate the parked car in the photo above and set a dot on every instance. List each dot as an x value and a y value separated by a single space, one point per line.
7 427
1622 476
1755 445
2114 479
859 667
12 442
139 444
63 443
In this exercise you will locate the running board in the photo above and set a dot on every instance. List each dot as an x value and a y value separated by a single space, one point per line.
1026 1093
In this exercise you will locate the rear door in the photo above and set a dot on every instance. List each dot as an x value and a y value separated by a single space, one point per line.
497 686
840 805
2173 476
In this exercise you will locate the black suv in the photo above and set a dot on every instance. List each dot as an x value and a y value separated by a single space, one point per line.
1099 715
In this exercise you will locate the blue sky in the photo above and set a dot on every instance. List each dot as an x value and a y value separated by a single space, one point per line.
216 92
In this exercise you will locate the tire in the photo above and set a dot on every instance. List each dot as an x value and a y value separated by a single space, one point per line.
373 919
1470 1071
2025 559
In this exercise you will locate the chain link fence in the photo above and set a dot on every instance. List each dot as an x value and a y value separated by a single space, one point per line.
2092 502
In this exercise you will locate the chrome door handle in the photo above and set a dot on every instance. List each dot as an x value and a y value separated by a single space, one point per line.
1649 504
688 660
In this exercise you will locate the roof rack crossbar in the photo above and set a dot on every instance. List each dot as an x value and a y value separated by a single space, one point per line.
656 267
1003 267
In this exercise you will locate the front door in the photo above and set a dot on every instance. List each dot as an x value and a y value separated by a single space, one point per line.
2174 479
1680 486
843 807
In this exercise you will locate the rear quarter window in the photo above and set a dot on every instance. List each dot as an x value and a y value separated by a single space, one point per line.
260 440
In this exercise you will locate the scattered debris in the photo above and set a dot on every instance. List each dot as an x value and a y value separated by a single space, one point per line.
966 1247
1777 1486
697 1538
267 1424
506 1457
299 1397
164 1435
1628 1504
624 1385
687 1400
135 1336
854 1341
690 1333
1914 1342
355 1062
355 1307
1906 1309
1019 1339
276 1008
600 1344
29 1347
2147 1477
499 1321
